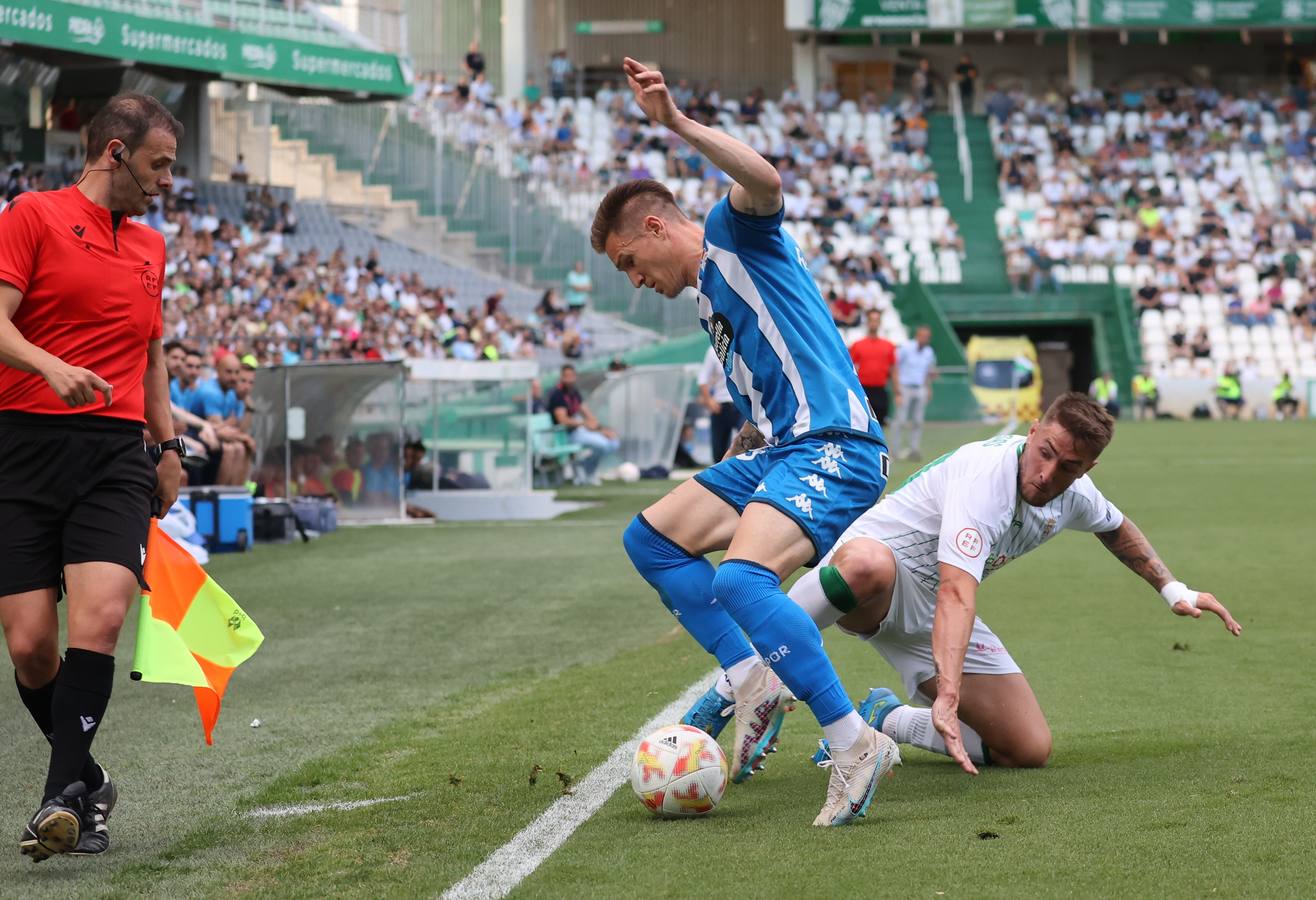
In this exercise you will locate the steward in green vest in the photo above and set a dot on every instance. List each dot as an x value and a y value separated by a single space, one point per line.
1106 392
1285 403
1229 393
1145 395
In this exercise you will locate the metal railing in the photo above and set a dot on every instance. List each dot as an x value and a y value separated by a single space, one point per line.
489 184
962 142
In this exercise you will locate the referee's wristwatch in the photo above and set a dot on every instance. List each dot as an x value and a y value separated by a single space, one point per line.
175 444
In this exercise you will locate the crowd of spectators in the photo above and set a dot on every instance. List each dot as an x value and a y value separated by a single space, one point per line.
236 286
1203 202
860 195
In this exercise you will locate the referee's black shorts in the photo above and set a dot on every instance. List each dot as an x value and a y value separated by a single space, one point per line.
879 401
73 489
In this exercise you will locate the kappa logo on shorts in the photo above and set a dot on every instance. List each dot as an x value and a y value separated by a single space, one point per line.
815 482
828 465
151 282
831 451
761 488
802 502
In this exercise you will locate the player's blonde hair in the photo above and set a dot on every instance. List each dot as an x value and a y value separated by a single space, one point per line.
626 202
1086 420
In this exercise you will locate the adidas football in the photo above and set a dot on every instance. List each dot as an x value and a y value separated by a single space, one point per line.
679 771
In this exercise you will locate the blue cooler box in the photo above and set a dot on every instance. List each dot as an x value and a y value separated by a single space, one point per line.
223 517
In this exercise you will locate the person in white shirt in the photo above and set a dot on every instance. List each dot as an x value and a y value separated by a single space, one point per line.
904 577
724 420
917 364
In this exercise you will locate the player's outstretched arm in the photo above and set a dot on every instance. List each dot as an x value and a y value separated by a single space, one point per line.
952 626
1130 546
757 189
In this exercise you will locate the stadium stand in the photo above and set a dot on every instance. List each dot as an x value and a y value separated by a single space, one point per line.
1202 203
861 197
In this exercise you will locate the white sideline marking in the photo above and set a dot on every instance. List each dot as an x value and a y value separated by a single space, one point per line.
301 809
513 862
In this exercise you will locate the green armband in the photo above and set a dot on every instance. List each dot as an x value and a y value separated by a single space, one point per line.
835 589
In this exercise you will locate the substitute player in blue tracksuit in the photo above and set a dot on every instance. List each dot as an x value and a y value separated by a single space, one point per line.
775 508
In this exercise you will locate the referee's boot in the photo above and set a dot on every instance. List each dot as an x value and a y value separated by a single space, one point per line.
57 826
95 837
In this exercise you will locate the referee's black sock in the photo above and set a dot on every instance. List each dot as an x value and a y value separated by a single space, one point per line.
38 702
82 691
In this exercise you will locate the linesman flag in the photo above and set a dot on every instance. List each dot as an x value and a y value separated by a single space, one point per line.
189 631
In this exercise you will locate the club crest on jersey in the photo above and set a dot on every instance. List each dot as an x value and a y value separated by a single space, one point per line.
151 282
969 542
1049 527
721 333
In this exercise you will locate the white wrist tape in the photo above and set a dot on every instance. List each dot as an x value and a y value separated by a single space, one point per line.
1176 591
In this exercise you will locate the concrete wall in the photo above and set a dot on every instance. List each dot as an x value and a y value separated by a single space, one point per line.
1180 395
741 44
439 32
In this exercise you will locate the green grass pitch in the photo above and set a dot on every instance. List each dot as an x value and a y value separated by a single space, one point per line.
444 663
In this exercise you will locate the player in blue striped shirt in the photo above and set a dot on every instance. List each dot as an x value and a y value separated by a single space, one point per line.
774 508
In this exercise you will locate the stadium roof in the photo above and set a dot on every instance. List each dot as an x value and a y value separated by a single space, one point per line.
228 39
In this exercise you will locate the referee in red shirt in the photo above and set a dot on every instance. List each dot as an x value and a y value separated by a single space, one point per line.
875 361
82 371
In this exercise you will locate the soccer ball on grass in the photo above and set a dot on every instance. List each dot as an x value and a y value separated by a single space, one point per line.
679 771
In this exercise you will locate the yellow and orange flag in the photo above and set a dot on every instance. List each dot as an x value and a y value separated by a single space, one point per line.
190 631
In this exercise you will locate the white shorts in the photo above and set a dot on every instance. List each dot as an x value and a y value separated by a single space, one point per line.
905 637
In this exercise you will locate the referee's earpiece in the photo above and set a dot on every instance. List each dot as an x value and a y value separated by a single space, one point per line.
117 156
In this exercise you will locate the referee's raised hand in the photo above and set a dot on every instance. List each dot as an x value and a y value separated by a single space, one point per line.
77 386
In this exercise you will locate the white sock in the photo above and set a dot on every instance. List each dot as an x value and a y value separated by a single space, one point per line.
808 596
842 733
737 674
913 725
723 686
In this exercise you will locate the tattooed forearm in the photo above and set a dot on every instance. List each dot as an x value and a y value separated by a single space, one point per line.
749 439
1131 547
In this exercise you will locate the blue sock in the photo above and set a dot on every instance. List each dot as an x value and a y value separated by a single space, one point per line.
685 585
783 634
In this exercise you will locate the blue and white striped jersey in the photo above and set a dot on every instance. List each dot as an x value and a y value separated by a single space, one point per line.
787 368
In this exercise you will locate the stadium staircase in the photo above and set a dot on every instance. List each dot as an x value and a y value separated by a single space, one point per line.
984 269
313 172
319 228
353 190
983 298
